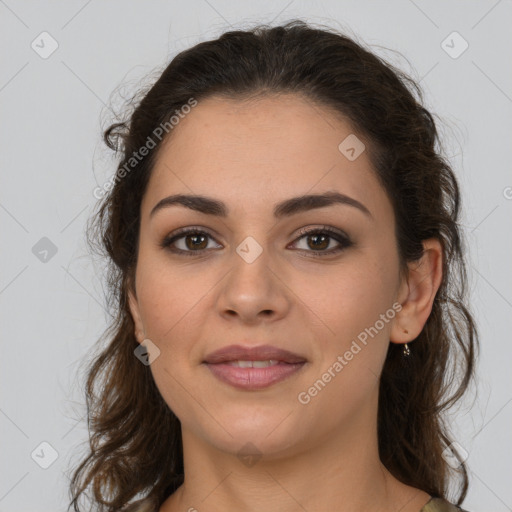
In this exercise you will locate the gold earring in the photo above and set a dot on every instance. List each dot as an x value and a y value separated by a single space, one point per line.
407 350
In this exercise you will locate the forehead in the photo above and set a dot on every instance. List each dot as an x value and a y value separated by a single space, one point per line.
261 151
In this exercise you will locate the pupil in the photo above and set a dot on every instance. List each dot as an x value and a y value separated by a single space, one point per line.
194 244
316 237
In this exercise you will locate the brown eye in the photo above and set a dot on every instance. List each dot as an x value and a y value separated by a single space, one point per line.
194 241
319 240
191 241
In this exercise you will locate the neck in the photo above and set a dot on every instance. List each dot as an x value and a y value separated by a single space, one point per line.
342 473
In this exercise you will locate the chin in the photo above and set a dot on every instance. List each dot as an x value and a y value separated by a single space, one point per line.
266 435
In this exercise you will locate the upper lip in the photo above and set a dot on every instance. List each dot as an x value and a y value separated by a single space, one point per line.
259 353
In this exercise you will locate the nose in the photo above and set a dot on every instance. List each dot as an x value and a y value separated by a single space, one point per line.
253 291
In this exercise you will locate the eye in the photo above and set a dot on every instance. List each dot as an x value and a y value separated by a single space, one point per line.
194 241
320 239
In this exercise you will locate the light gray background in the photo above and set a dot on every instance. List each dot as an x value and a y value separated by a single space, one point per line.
52 158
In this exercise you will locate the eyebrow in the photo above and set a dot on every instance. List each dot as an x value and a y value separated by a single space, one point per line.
287 208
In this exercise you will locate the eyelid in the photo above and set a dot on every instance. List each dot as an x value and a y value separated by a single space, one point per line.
322 228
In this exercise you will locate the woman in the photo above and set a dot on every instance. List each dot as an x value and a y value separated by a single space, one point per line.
289 283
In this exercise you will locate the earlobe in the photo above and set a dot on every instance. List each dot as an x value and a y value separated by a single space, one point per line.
417 293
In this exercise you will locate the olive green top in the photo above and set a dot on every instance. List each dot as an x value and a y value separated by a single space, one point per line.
440 505
433 505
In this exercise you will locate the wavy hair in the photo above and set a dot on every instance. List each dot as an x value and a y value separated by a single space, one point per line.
134 437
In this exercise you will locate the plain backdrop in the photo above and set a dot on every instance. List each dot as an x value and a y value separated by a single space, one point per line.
66 64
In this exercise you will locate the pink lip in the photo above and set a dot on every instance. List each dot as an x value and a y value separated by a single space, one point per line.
261 353
253 378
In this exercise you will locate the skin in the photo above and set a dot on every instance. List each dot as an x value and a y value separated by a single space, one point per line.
317 456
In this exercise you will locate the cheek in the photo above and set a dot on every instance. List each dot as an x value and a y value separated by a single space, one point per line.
347 301
172 305
352 338
169 311
165 297
351 343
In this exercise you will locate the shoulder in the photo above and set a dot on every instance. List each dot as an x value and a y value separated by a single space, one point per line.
143 505
441 505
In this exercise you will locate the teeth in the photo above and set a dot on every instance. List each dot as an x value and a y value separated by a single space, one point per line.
263 364
254 364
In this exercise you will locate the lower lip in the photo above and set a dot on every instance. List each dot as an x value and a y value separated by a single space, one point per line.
253 378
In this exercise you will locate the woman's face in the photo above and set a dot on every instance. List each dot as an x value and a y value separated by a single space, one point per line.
253 278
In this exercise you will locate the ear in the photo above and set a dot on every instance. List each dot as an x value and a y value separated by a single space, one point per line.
417 293
133 304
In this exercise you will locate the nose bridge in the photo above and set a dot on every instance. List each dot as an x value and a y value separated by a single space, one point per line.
252 233
250 250
250 264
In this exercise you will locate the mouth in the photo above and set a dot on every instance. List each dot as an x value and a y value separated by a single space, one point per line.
253 368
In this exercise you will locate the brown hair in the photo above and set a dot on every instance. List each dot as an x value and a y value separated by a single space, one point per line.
135 439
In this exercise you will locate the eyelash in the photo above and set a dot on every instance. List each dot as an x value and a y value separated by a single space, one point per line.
339 237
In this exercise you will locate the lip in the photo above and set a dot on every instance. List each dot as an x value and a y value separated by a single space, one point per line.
288 363
260 353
